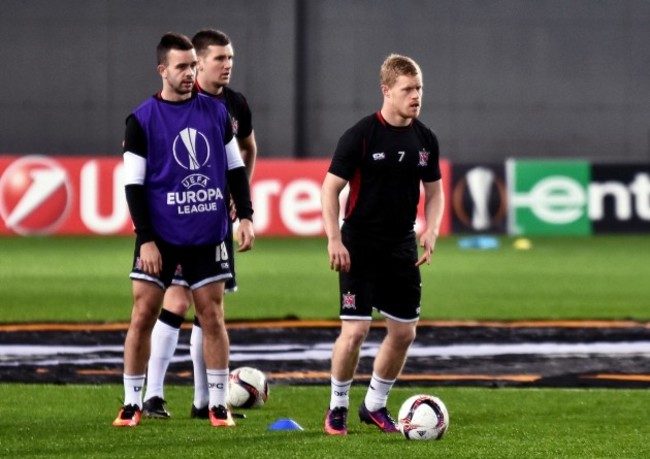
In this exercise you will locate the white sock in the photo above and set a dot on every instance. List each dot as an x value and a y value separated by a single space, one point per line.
164 339
340 395
133 385
201 395
218 386
377 394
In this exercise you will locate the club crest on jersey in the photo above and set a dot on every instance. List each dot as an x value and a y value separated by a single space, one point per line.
349 301
235 125
424 158
378 156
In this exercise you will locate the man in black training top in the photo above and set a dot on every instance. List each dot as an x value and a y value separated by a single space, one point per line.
384 158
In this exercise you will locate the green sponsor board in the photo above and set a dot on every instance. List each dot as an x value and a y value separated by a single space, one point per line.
548 197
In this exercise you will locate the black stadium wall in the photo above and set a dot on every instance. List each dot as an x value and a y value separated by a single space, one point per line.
502 78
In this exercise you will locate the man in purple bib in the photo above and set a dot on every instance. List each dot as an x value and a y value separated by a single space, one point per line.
179 158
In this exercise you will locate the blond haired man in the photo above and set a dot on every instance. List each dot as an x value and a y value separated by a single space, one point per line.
384 158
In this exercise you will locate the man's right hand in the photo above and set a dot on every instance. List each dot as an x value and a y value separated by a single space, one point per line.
150 258
339 256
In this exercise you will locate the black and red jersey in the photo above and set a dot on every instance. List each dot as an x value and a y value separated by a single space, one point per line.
241 117
384 165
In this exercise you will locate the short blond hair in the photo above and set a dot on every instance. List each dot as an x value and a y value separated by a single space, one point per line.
396 65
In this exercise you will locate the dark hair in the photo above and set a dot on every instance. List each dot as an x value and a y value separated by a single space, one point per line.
209 37
171 41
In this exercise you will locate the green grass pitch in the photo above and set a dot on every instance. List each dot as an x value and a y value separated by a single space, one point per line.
74 422
85 280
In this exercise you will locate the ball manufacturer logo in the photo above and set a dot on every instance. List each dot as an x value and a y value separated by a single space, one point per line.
35 195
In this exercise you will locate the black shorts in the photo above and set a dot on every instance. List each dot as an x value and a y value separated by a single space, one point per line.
231 284
383 276
198 265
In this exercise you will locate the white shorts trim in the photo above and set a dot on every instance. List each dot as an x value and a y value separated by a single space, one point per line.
183 283
209 280
180 282
397 319
148 278
355 318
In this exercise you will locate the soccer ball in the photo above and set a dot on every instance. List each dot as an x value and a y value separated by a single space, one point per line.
247 388
423 417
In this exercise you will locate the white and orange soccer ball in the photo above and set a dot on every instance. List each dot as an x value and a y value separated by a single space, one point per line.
423 417
247 388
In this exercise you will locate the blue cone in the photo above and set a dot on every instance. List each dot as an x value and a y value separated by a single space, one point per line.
478 242
285 424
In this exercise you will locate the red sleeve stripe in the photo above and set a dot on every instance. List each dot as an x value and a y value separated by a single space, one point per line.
355 185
